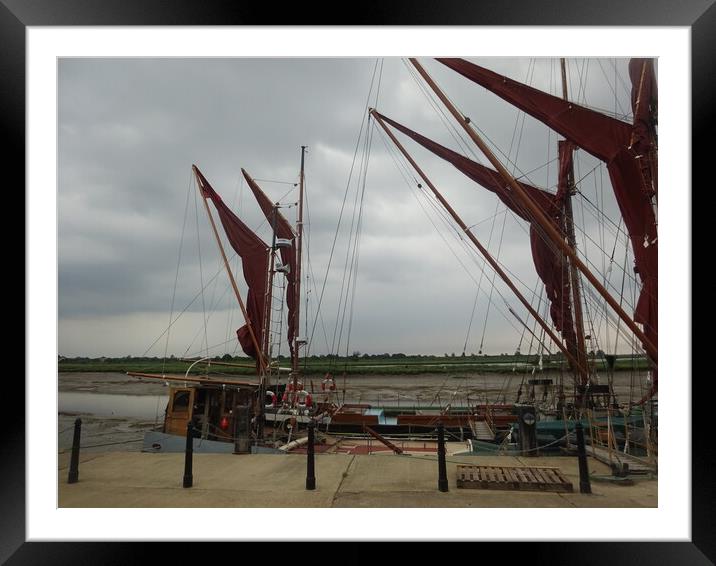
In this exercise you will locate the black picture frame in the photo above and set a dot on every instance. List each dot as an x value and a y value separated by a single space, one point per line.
16 15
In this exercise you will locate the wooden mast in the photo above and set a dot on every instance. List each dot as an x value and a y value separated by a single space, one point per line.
297 279
268 306
486 254
653 163
538 215
581 353
259 353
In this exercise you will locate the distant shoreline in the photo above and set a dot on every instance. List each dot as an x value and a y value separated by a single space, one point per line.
406 365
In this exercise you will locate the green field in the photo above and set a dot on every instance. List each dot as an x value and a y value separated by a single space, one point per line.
395 364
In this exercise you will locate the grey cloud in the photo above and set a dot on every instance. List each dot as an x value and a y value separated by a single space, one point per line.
129 130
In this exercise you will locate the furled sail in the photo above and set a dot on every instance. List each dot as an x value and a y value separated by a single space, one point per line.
549 262
611 141
644 96
288 254
254 261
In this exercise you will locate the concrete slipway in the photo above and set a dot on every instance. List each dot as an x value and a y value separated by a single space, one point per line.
136 479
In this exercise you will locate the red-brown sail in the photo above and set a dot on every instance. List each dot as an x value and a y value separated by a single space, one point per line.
254 260
288 254
607 139
643 102
549 262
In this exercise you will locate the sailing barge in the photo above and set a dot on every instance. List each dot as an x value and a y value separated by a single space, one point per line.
229 410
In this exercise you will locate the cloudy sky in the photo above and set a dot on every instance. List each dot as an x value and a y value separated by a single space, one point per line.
135 246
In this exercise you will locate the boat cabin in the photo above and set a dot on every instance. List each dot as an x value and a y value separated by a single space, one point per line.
220 412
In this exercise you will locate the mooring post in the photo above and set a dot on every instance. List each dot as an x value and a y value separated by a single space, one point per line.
442 470
584 485
74 474
310 453
188 454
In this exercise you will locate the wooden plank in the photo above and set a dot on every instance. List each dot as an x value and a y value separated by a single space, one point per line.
547 482
526 480
513 478
483 479
380 438
520 474
550 478
540 477
560 477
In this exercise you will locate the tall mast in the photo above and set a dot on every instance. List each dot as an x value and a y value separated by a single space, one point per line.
299 245
539 216
653 157
580 353
259 353
486 254
269 289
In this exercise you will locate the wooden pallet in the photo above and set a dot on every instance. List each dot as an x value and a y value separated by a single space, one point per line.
514 478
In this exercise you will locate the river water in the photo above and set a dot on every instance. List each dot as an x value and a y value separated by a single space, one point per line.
117 395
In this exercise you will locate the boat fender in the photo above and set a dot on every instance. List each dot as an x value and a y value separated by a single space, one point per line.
328 383
302 398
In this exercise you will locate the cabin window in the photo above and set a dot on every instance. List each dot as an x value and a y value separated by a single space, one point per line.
181 401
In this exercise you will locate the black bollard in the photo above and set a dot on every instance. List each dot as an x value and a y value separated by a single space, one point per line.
310 462
74 474
584 486
188 475
442 470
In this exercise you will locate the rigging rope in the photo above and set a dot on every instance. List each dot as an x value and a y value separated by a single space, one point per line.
354 240
447 221
492 282
176 276
201 271
364 121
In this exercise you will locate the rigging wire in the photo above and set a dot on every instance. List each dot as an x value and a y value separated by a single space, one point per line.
492 282
186 308
364 121
176 276
612 87
360 218
201 271
351 248
452 229
456 134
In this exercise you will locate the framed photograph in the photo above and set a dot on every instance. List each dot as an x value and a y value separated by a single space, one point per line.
151 130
